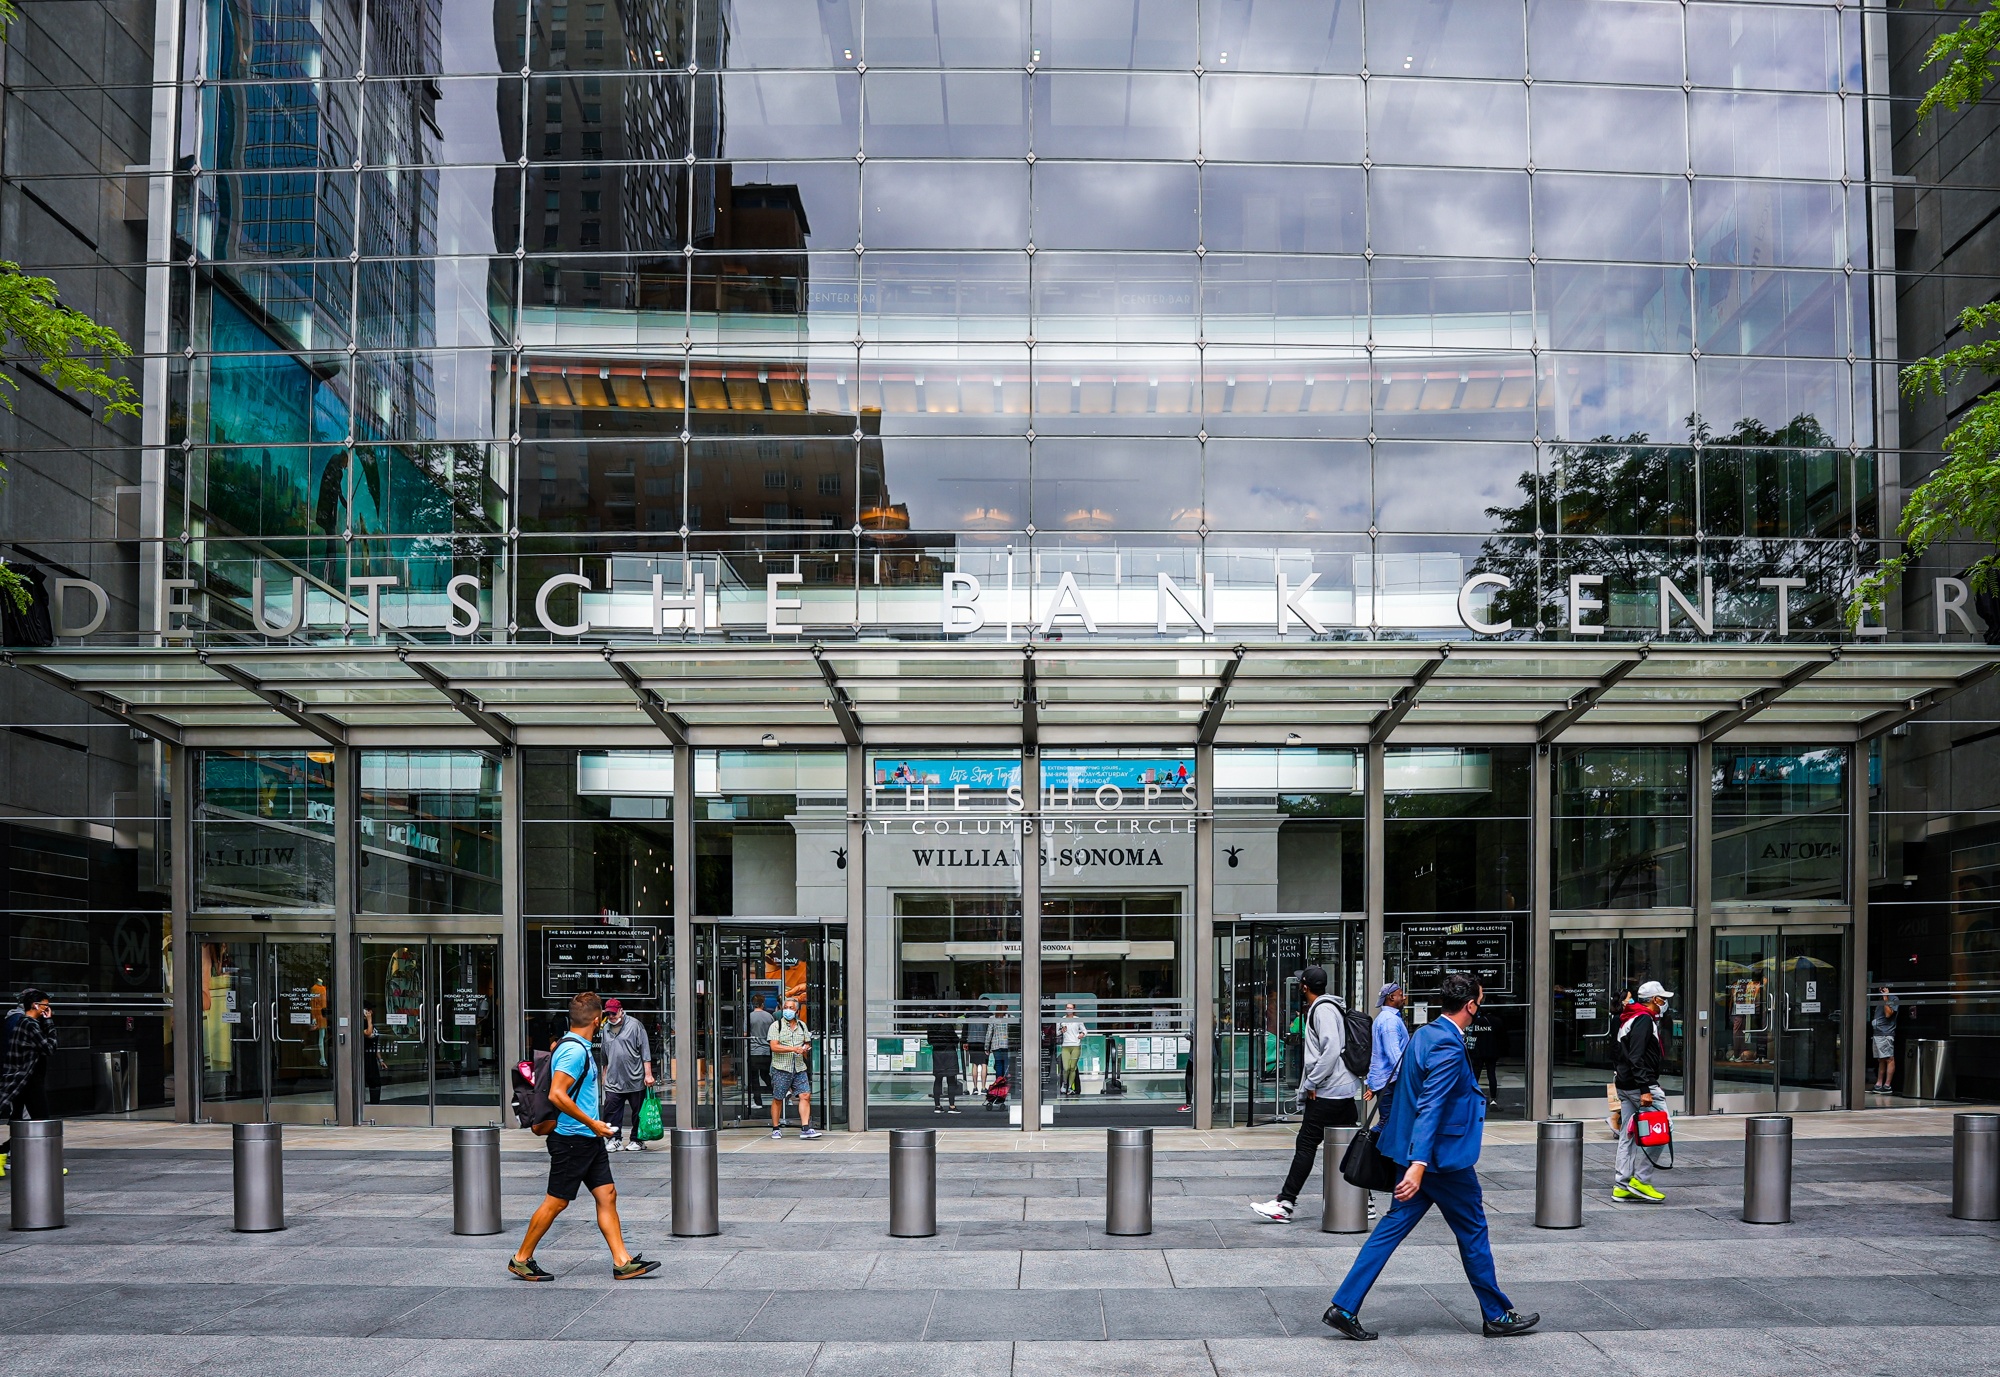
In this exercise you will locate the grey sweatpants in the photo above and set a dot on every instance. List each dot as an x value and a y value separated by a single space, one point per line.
1632 1159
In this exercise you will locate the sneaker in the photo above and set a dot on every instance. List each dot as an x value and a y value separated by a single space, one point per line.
937 1109
1645 1191
952 1110
1619 1192
528 1270
1277 1211
634 1268
812 1133
1349 1326
777 1133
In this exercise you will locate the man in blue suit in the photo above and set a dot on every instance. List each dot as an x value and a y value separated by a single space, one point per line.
1435 1124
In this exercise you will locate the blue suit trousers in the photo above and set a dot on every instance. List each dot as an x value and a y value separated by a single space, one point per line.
1456 1194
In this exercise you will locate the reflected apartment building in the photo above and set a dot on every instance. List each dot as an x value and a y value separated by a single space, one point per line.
947 511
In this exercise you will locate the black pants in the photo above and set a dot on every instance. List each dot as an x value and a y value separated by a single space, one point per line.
1492 1070
1319 1116
616 1102
944 1079
760 1081
33 1104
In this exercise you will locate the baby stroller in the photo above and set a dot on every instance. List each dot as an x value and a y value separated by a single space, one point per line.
996 1093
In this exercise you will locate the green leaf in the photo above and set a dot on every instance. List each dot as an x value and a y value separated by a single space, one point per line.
1968 52
67 346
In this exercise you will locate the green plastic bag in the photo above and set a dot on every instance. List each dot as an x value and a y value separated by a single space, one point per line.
651 1127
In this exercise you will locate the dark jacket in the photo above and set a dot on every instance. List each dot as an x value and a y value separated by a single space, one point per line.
30 1043
1636 1051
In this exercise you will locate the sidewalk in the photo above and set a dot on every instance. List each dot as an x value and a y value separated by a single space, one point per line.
1715 1128
367 1280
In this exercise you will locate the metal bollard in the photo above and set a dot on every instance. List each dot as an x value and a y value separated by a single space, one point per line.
912 1182
259 1153
1975 1166
1346 1207
697 1185
1559 1174
1767 1169
475 1181
36 1166
1128 1182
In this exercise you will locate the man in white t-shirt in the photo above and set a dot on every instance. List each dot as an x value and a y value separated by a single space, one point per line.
1069 1037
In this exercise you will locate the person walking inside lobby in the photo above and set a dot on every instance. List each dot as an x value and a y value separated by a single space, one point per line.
1326 1090
1069 1033
1436 1121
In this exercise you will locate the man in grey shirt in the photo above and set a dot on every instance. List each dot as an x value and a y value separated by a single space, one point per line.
1327 1090
761 1019
628 1073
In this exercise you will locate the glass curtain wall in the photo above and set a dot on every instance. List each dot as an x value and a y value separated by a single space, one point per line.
770 887
1781 827
1455 895
860 292
1288 871
1624 823
945 836
597 857
430 832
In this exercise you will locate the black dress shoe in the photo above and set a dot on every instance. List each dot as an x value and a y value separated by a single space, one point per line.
1346 1325
1510 1324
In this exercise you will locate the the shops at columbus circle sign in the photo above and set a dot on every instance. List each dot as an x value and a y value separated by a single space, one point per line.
965 607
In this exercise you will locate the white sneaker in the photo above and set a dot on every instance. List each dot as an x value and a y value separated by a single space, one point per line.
1277 1211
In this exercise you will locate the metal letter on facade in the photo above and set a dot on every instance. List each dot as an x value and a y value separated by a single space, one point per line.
58 589
292 623
1580 603
961 615
1465 612
555 628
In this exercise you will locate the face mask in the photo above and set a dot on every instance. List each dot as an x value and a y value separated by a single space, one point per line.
791 1015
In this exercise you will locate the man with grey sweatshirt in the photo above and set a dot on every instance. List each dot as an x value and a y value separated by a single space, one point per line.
1326 1091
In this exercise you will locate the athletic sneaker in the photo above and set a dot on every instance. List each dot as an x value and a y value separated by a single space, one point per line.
1619 1192
1645 1191
777 1133
812 1133
1277 1211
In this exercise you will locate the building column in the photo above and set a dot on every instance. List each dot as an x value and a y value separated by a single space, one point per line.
1697 1017
855 953
1201 988
513 930
1540 1058
683 1062
1856 1051
348 1072
1375 881
186 960
1031 942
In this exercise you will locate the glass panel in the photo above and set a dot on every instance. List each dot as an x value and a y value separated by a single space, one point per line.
770 834
1811 980
1622 826
395 1047
1780 823
466 1064
232 1060
1605 40
1593 978
264 827
1288 832
944 838
754 973
303 1045
430 832
1744 1020
1452 38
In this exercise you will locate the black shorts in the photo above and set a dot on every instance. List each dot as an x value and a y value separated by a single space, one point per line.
575 1160
975 1056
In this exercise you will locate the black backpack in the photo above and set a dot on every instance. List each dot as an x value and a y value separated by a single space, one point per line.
533 1108
1357 1042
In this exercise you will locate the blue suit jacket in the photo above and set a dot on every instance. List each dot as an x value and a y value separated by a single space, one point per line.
1438 1116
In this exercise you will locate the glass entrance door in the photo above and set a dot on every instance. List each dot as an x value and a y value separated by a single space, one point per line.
1259 1045
429 1031
1592 978
267 1047
749 972
1778 1023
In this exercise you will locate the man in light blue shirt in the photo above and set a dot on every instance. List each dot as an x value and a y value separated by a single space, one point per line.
1391 1037
576 1149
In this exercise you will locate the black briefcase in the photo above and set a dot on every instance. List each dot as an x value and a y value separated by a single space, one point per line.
1364 1166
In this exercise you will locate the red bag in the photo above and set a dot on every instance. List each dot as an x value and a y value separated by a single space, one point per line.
1652 1128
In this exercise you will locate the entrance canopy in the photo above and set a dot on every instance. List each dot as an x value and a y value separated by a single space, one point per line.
1325 694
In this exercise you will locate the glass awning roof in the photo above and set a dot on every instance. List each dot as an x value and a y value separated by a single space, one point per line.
1330 694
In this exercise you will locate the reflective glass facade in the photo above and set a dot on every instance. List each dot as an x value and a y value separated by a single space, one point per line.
778 372
865 291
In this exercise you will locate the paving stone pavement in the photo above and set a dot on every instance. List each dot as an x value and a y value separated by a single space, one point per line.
1873 1276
